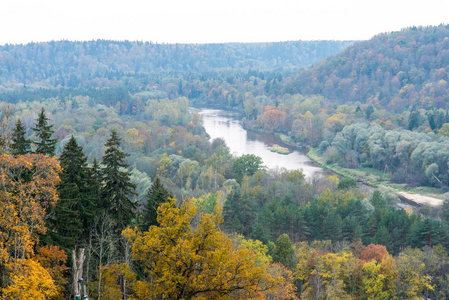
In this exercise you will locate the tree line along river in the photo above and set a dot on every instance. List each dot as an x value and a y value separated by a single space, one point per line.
226 125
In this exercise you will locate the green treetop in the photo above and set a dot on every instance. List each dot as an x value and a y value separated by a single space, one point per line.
247 164
156 195
46 145
284 252
74 211
20 145
117 187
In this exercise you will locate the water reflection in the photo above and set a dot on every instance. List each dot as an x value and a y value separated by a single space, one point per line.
225 124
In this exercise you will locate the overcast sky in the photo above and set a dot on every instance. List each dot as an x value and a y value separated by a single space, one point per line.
209 21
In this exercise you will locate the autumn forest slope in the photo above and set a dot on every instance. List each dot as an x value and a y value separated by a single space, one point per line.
398 69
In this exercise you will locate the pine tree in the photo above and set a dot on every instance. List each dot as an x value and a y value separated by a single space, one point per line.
427 234
444 213
232 213
383 237
332 227
117 187
157 194
20 145
46 145
378 201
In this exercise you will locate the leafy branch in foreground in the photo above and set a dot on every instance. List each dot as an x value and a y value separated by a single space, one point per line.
185 262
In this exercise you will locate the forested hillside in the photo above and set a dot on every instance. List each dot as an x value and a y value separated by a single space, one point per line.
396 80
395 70
103 63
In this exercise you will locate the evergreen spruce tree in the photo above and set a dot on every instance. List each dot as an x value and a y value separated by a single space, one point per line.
19 144
117 187
46 145
74 211
157 194
95 181
358 112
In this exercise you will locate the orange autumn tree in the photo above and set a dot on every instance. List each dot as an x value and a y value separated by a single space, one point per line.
27 192
183 262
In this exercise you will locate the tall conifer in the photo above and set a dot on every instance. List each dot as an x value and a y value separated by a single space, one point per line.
19 144
117 186
45 145
74 210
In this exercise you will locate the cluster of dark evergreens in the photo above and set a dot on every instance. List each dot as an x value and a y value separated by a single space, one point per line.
341 216
94 199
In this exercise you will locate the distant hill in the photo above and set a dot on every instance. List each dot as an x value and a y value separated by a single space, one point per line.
103 62
395 70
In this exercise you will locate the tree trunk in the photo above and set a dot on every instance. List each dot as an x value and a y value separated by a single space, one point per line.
77 270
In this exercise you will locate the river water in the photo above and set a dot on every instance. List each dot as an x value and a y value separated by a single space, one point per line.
226 124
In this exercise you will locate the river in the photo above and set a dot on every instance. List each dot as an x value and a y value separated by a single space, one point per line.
226 124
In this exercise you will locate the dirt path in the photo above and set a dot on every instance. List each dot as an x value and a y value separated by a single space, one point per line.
420 199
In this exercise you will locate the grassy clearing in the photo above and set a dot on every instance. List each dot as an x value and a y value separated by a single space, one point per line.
279 149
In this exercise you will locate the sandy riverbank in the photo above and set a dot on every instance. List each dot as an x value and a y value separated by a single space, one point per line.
421 199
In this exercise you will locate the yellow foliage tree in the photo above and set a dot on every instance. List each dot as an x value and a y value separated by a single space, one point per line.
29 281
378 279
255 246
52 259
108 289
164 164
195 263
27 192
323 273
411 274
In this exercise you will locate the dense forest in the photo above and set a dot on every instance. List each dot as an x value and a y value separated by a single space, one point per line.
107 173
368 104
397 70
103 63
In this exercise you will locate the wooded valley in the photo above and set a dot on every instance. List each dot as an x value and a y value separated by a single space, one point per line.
105 165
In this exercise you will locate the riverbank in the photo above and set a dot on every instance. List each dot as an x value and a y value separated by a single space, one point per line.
374 178
227 125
